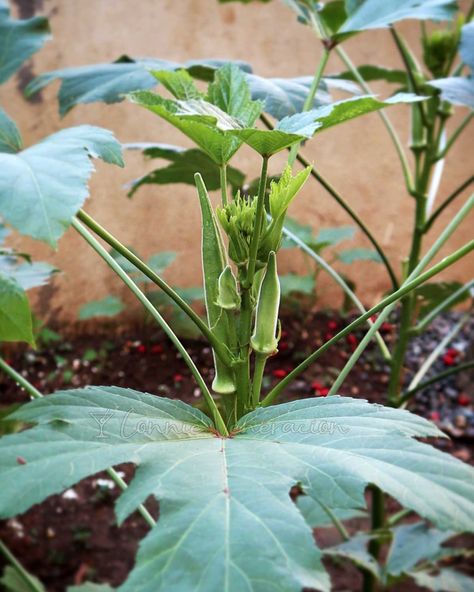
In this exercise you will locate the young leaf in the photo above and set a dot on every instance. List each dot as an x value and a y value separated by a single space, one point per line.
15 315
431 294
19 40
10 139
28 275
179 83
300 284
332 447
111 82
185 164
42 187
110 306
356 549
370 73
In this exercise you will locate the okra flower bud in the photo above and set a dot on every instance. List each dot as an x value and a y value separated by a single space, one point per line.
228 296
264 339
237 220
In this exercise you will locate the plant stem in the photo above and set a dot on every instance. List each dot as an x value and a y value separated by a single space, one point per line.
89 238
431 359
377 512
259 369
29 580
337 523
337 278
19 379
455 135
223 178
35 394
449 372
440 209
346 207
388 124
425 322
400 293
217 346
259 217
309 101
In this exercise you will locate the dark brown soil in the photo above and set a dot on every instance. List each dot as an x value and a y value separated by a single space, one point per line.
69 539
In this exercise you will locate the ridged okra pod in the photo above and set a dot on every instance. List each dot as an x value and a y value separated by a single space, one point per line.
214 262
264 338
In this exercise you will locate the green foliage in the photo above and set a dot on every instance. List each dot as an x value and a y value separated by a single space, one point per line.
110 306
321 439
457 89
291 283
19 40
370 73
50 180
109 83
184 165
10 139
360 254
13 581
433 294
15 315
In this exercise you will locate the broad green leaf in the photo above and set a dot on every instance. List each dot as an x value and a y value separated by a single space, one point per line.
444 580
466 46
28 275
356 550
197 119
42 187
10 139
292 283
110 83
359 254
370 73
317 517
185 164
15 315
12 581
334 235
19 40
301 126
303 231
413 543
110 306
222 499
373 14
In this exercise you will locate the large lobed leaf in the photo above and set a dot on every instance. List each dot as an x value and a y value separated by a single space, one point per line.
42 187
226 519
19 40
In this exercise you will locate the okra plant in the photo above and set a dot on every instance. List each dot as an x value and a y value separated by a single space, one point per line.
223 477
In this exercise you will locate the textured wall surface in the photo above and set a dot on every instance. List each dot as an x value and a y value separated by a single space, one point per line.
357 157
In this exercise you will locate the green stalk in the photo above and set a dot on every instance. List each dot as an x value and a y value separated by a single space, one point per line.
455 135
259 216
259 369
434 355
223 178
99 249
346 207
388 124
400 293
428 319
440 209
377 512
434 379
339 280
309 101
35 394
156 279
31 582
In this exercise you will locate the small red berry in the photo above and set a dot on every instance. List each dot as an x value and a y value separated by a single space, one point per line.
283 345
453 352
178 378
157 349
435 416
323 392
464 400
351 339
315 385
448 360
328 336
141 349
280 373
332 325
386 327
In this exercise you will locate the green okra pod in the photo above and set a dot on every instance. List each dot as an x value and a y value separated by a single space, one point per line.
264 339
214 262
228 296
